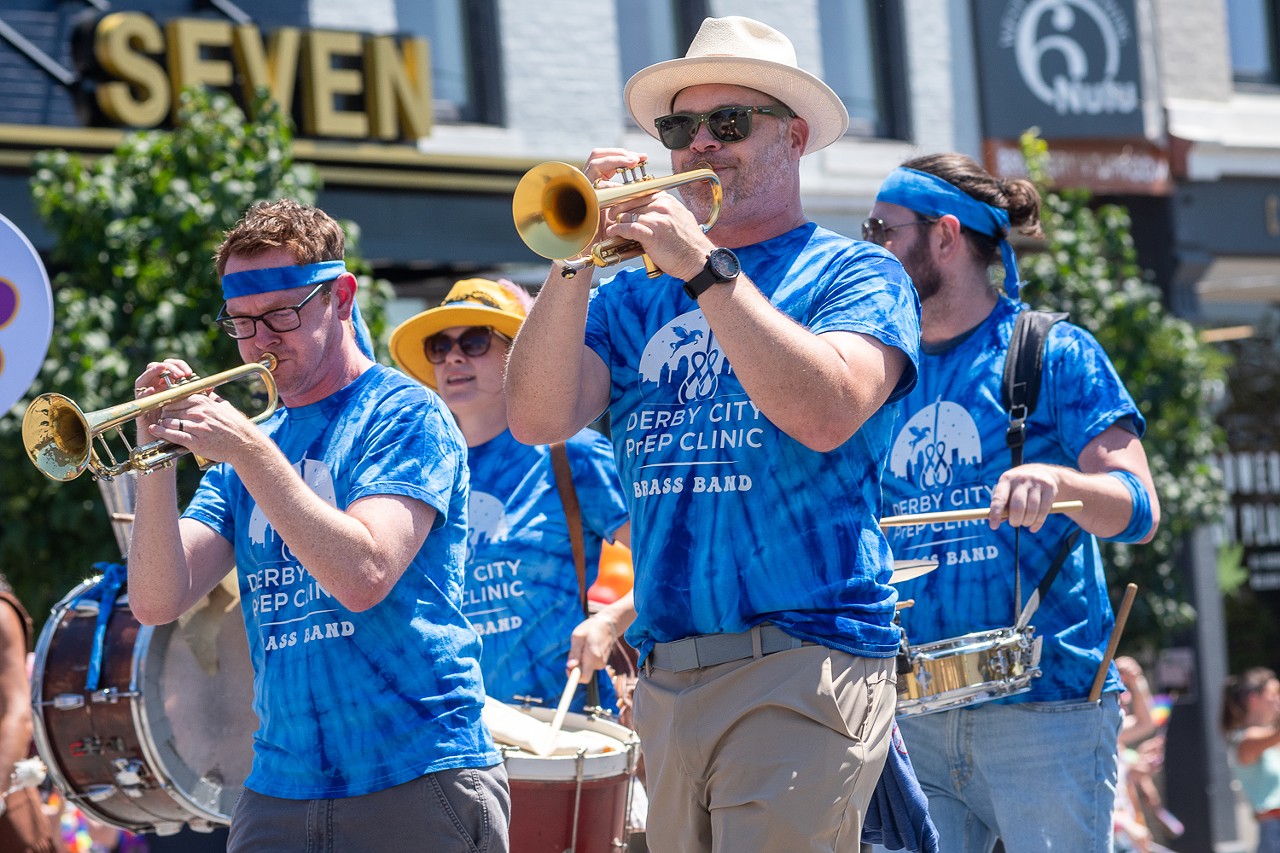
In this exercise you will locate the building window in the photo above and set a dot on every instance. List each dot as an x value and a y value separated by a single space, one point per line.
465 66
862 50
1251 27
655 31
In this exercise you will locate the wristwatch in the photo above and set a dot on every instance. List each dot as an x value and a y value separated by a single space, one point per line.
722 265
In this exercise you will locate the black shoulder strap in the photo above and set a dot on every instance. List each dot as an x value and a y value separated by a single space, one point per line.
1022 365
1020 392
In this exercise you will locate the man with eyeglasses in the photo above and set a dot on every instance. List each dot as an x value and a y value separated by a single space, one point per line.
344 515
522 590
751 390
1036 769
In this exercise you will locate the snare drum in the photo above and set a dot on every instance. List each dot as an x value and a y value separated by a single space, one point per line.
968 670
166 738
573 803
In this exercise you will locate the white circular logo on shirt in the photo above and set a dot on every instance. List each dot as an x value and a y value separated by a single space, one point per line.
683 356
485 517
937 440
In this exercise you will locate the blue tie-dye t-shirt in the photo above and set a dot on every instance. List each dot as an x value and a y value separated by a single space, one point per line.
734 522
948 454
351 703
521 591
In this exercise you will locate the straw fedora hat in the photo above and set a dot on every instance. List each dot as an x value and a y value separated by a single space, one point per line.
742 52
470 302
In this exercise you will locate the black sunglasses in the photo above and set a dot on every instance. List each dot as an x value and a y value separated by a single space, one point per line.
727 124
875 231
473 343
278 320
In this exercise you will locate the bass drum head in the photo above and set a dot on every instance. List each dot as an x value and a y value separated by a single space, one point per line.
196 714
166 737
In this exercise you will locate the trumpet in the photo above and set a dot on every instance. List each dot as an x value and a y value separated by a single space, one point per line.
557 213
59 436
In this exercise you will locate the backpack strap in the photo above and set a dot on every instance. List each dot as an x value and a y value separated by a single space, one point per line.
573 513
1020 392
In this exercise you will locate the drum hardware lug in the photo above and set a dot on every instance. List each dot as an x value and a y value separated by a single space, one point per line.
167 828
112 695
129 773
527 702
90 745
598 712
66 702
95 793
86 607
201 825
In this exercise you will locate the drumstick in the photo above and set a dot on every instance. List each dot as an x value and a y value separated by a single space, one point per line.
962 515
549 742
1129 592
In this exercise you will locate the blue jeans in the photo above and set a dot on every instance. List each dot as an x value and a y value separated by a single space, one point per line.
1037 775
451 811
1269 835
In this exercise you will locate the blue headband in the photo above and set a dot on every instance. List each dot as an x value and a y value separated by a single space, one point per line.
930 195
253 282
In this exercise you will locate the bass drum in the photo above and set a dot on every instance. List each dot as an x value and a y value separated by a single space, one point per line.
164 738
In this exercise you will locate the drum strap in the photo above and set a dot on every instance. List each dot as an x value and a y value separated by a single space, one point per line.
573 513
1023 362
8 597
105 593
1038 594
1020 392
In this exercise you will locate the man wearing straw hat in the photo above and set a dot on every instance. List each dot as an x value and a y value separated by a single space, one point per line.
345 516
522 591
1036 769
751 391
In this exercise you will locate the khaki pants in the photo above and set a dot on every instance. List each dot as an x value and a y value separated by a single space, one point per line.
778 753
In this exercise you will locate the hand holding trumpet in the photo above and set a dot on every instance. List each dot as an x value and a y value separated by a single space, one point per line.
588 218
62 440
204 423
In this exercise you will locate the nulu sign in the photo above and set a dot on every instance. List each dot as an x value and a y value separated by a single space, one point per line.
345 85
1070 67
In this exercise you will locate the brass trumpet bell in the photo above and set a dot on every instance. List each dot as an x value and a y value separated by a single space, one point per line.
59 436
557 212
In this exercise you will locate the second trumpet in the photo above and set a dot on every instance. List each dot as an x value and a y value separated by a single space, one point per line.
557 213
59 436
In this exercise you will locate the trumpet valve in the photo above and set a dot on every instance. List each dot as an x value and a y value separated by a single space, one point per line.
638 172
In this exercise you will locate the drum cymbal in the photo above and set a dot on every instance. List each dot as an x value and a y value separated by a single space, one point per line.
905 570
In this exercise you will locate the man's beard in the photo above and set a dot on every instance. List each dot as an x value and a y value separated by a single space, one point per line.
749 182
923 271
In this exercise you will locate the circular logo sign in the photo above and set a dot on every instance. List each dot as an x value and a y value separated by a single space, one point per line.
26 314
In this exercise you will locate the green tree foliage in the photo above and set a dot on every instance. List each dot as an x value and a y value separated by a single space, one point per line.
1088 267
134 282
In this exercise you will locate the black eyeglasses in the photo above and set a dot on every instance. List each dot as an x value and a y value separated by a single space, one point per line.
473 343
875 231
277 320
727 124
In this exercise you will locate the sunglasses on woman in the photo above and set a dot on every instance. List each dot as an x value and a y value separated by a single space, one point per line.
727 124
473 343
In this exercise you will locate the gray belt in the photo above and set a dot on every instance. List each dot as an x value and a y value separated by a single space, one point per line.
712 649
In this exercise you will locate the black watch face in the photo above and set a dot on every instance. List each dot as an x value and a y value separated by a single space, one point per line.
724 263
